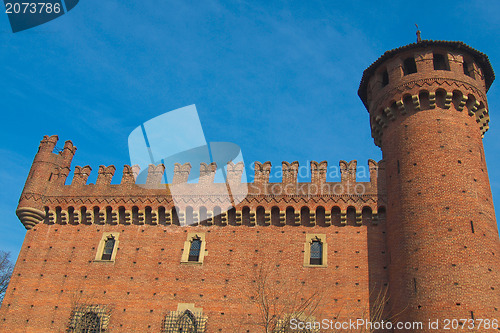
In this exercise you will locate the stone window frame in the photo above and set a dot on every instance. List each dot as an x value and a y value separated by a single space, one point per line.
187 247
102 243
307 250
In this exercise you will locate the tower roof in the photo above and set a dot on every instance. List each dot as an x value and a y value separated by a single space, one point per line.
480 58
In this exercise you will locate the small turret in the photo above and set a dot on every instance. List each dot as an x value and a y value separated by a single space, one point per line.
48 168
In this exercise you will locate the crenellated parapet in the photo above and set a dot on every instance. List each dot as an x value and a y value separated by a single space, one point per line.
288 171
427 75
81 202
131 201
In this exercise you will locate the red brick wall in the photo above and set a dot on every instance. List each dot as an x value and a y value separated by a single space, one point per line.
56 268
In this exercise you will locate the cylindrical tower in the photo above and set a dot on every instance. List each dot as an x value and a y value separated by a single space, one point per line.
428 114
48 169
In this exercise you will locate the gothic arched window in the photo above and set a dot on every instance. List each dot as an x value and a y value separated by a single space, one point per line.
187 323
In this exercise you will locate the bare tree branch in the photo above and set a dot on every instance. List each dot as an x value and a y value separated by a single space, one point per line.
6 268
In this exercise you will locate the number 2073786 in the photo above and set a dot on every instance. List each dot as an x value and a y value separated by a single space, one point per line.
32 7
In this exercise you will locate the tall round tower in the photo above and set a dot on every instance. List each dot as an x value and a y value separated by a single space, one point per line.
428 114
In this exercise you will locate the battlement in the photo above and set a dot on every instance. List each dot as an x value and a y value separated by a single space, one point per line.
424 76
288 171
46 195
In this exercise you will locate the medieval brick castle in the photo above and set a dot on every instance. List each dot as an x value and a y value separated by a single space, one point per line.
419 243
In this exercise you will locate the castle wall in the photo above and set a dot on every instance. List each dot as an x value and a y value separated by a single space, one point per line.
56 271
258 249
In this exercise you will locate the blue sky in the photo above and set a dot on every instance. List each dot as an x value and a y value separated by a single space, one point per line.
279 78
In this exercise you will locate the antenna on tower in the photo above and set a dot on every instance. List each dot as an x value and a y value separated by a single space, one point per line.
419 39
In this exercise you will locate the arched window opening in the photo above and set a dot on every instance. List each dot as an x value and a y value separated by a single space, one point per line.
189 216
440 62
97 215
109 246
122 219
366 215
290 215
275 216
336 216
320 216
135 215
204 216
84 215
59 217
175 216
47 219
385 78
409 66
465 66
109 215
457 100
261 216
305 216
408 103
231 216
217 215
194 250
316 252
245 215
351 216
148 215
71 215
471 103
89 323
423 97
441 98
162 215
